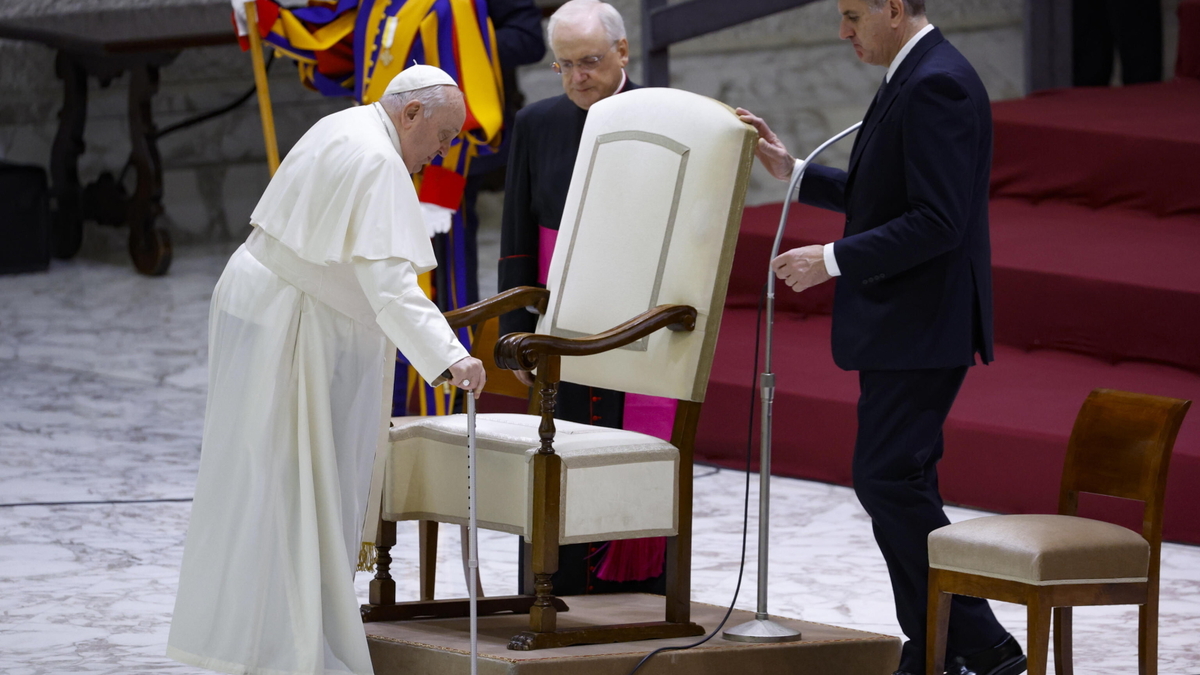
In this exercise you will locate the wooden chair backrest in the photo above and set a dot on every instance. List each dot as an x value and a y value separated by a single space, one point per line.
1121 447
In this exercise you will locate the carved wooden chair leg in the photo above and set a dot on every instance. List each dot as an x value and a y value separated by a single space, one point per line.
428 535
383 587
543 617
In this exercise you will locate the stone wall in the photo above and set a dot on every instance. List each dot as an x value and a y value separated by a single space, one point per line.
213 172
790 68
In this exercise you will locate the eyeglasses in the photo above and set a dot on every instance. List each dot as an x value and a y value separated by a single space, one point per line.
587 64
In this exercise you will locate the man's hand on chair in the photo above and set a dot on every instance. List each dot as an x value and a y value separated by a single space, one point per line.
770 150
468 373
801 268
525 376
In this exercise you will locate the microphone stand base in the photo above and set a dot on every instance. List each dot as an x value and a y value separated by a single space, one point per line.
761 630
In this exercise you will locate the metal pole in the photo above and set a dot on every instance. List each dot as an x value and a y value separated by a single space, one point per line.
762 629
472 534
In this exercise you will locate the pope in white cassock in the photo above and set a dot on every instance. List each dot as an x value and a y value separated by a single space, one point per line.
300 334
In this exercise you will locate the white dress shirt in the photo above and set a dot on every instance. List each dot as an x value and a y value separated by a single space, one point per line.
831 265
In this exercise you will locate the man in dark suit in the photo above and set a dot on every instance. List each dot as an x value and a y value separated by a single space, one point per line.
913 301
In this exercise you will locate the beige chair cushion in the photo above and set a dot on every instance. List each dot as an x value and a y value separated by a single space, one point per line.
1042 550
615 484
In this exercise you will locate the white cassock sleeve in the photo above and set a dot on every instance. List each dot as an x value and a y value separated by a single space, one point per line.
409 319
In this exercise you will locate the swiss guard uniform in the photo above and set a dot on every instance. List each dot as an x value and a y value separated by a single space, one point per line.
353 48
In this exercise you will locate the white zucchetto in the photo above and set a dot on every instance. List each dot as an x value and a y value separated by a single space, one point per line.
418 77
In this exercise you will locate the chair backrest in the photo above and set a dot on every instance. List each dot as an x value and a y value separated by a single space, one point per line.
651 219
1121 447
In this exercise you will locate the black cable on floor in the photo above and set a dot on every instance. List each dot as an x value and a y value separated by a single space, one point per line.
105 501
745 503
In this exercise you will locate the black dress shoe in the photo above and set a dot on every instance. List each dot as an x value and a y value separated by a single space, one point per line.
1005 658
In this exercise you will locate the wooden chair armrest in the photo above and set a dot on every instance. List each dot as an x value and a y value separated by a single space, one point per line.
521 351
501 303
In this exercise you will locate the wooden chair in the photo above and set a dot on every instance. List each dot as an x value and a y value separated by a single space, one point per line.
646 243
1120 447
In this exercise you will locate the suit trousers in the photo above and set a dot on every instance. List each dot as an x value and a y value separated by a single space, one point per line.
899 443
1102 28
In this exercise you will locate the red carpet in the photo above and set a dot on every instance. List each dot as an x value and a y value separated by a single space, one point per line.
1136 146
1116 284
1005 439
1095 225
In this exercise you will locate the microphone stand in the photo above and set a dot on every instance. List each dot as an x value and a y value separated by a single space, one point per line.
762 628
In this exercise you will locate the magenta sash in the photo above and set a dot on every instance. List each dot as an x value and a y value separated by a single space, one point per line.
546 239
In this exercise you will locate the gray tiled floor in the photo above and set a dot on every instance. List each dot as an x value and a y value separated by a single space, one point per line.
102 398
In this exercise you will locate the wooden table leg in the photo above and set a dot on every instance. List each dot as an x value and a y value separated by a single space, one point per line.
64 157
149 245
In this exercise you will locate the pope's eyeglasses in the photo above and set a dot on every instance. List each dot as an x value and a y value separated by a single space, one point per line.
587 64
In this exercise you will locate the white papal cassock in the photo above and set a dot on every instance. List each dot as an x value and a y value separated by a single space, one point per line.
300 334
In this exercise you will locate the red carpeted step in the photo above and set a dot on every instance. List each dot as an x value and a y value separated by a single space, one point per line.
1112 283
1136 146
1005 438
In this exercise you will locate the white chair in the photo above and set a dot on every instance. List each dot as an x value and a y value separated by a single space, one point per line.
646 243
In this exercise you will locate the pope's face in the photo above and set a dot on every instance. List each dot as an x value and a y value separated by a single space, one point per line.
424 138
590 64
871 31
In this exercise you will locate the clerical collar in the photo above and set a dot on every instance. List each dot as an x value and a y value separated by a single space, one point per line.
388 125
624 79
908 47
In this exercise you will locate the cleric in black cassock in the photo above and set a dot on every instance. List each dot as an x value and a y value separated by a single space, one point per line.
545 141
591 52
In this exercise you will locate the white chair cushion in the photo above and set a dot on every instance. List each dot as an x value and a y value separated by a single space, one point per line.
615 484
1041 549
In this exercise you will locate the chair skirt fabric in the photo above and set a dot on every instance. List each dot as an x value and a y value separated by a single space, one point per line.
615 484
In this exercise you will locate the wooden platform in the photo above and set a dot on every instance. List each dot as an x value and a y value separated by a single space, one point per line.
441 646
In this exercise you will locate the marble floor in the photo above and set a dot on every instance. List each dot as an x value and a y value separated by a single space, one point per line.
102 395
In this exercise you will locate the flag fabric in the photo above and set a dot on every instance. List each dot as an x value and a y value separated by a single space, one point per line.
353 48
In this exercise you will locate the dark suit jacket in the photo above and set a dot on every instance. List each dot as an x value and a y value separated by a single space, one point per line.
915 289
